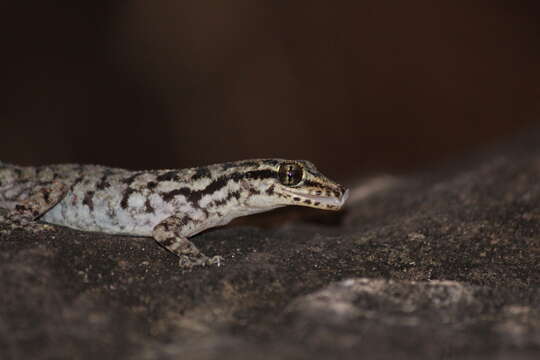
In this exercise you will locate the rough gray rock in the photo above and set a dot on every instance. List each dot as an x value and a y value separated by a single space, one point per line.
438 265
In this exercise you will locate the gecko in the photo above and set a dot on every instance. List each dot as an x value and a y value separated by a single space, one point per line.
169 205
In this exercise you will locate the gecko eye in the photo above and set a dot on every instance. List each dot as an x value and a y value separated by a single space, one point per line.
290 174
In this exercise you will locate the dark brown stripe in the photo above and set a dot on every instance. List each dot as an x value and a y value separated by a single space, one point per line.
225 200
78 180
125 197
103 181
328 190
168 241
194 196
239 164
200 173
271 162
88 200
46 195
131 179
223 180
219 202
169 176
186 192
148 208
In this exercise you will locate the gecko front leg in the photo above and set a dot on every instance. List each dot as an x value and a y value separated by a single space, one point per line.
169 234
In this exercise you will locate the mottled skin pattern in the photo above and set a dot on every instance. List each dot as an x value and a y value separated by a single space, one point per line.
169 205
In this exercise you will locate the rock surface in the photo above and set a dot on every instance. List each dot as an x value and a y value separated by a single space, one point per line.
437 265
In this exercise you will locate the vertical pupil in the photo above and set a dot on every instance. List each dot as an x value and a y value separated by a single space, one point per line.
290 174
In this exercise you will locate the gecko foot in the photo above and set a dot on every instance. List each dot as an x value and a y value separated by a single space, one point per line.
169 234
187 262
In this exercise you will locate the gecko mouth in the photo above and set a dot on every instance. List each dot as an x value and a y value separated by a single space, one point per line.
318 201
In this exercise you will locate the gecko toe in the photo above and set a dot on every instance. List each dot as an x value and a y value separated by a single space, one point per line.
215 260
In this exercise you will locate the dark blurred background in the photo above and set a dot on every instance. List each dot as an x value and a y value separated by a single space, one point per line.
356 87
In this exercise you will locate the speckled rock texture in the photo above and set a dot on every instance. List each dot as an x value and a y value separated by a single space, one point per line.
442 264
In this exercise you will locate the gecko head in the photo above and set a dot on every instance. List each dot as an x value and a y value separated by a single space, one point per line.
298 182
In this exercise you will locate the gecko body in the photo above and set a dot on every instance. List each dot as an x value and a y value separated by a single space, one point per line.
169 205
